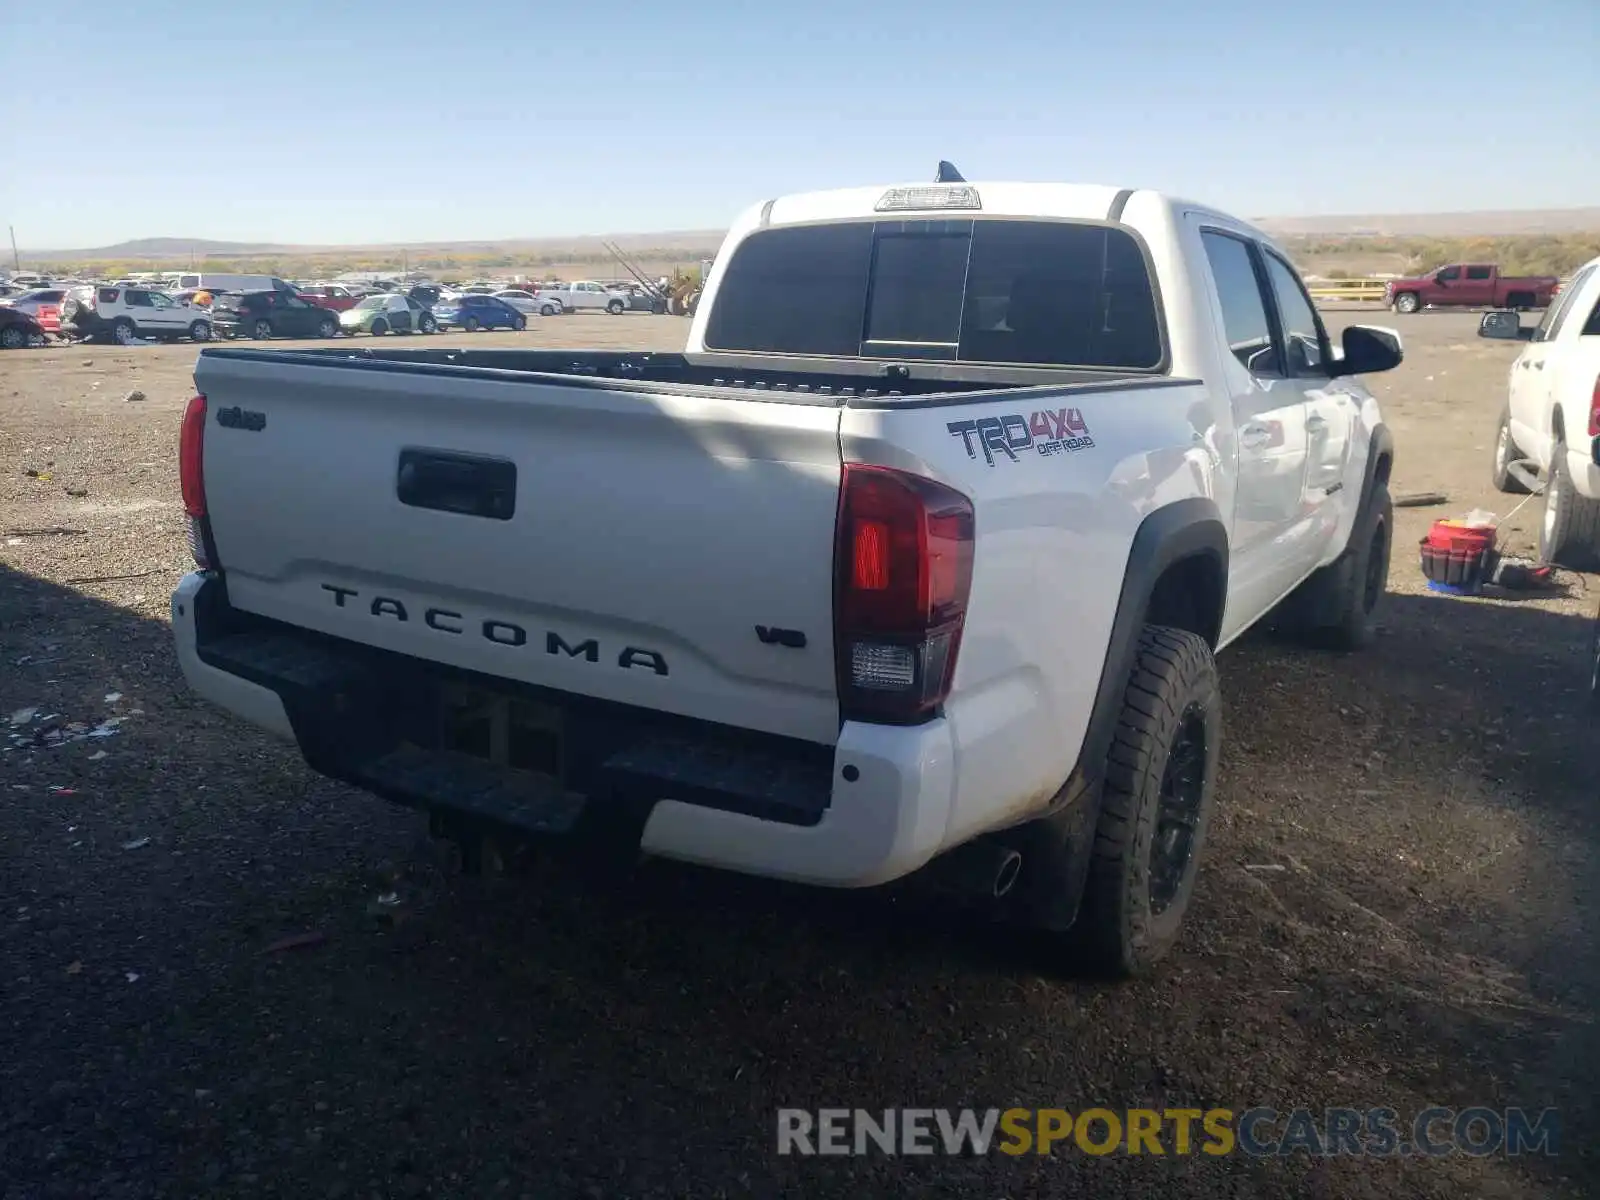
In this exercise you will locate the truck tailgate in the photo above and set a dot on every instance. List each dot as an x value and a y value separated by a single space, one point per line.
631 545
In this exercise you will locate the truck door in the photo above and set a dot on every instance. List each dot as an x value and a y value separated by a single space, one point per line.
1477 285
1331 406
1446 287
1269 427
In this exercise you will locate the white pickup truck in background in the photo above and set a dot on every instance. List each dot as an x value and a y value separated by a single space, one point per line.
1551 421
917 556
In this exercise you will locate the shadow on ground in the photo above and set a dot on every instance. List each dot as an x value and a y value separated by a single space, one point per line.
1395 911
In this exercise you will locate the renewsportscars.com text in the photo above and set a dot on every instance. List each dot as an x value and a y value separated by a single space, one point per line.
1256 1132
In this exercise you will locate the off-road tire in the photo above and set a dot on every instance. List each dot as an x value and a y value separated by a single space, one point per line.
1407 302
1122 930
1569 533
1506 452
1335 608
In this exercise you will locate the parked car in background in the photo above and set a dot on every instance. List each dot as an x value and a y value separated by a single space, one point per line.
334 297
42 304
527 303
585 294
1470 285
388 313
270 314
128 314
472 312
18 329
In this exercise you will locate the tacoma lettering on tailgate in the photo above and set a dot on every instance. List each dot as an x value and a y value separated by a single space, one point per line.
1051 431
501 633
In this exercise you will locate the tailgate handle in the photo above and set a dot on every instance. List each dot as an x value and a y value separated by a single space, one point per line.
469 484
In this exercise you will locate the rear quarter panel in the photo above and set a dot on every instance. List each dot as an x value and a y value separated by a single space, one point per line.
1058 496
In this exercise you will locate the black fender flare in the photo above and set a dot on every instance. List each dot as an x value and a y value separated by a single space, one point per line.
1379 447
1056 848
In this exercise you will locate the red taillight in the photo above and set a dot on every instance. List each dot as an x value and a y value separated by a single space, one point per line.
191 464
192 479
903 573
1594 409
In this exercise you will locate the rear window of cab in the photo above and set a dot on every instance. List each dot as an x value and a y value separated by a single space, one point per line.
994 291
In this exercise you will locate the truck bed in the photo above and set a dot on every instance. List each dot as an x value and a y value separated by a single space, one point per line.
832 382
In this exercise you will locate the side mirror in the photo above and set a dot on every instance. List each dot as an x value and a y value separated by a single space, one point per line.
1502 324
1368 349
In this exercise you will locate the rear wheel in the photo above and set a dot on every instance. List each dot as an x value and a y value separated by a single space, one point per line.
1569 535
327 328
261 330
200 331
428 325
616 308
470 324
520 324
123 332
13 337
380 327
1156 805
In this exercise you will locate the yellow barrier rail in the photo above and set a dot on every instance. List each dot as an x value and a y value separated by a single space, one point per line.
1357 290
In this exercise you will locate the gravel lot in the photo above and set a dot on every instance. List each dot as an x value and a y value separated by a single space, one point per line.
1426 935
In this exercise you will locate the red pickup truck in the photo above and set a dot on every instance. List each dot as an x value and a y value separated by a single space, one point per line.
330 296
1470 285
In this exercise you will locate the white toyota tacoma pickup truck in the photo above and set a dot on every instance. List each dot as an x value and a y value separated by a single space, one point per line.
916 556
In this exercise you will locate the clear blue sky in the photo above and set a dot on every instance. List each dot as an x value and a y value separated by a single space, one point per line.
396 120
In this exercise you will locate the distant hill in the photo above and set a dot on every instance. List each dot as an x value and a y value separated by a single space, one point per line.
173 248
692 244
1440 225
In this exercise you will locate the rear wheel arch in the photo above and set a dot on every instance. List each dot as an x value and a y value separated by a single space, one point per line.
1176 549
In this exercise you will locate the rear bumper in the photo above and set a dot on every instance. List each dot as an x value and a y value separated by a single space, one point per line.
872 808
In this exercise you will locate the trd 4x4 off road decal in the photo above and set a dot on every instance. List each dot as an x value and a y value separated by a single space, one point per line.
1058 431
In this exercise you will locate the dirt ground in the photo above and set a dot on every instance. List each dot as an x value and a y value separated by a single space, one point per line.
1397 907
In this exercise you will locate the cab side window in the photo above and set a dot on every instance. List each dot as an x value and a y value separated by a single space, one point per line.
1449 274
1556 315
1303 337
1244 309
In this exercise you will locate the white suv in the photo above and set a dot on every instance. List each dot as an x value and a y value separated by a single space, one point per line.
1552 418
128 314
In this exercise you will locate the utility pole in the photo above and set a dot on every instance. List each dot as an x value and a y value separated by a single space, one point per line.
15 261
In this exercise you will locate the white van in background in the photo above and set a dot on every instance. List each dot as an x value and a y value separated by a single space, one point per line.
212 281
